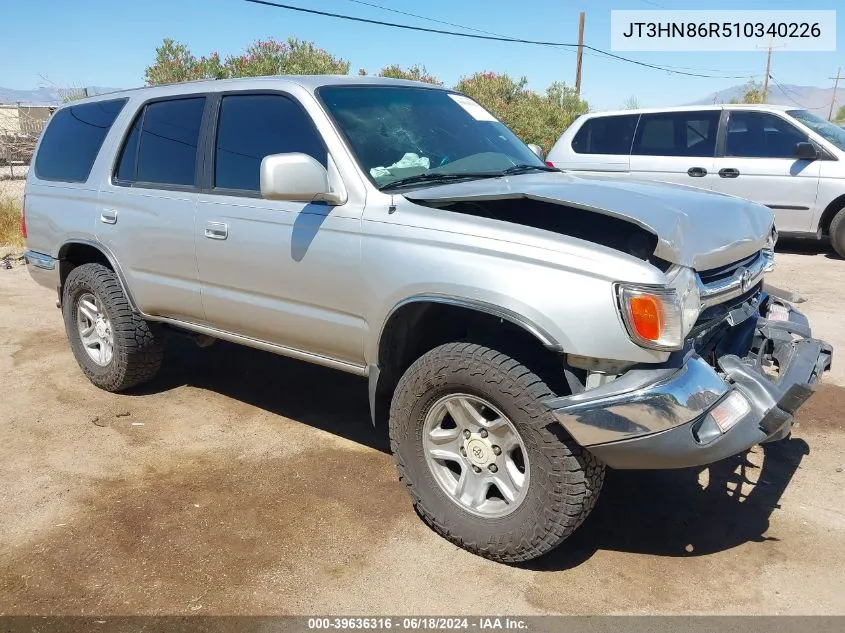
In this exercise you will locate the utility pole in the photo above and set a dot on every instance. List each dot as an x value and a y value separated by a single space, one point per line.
580 55
769 68
833 97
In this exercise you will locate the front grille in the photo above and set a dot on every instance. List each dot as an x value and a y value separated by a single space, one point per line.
721 284
726 271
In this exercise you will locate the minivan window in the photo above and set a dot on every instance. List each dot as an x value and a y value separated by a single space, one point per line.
677 134
827 130
254 126
606 135
761 135
73 139
161 148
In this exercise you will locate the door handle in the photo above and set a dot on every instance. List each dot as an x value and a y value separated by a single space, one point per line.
728 172
108 216
216 230
697 172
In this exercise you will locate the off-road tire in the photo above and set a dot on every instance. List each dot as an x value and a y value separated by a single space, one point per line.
138 344
564 479
837 233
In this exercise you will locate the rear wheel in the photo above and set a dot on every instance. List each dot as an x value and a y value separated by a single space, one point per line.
837 233
486 463
115 347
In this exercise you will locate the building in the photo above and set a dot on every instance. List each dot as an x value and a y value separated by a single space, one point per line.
20 127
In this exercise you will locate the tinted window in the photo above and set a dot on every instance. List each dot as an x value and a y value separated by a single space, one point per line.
129 153
167 152
677 134
73 138
606 135
761 135
254 126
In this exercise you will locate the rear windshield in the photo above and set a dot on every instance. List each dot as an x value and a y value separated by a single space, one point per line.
73 138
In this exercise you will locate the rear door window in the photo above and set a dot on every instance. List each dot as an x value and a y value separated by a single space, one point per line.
606 135
677 134
161 147
73 139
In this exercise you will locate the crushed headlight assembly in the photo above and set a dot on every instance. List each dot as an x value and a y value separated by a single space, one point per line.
660 317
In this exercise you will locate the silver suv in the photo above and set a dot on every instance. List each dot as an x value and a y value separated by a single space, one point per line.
520 328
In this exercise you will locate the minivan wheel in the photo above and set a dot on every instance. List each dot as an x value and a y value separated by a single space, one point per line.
115 347
837 233
487 465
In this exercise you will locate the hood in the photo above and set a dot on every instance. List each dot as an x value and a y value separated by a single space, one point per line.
694 227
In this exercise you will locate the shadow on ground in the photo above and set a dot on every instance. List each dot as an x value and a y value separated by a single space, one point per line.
665 513
797 246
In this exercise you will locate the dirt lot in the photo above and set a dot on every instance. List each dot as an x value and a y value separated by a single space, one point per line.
241 482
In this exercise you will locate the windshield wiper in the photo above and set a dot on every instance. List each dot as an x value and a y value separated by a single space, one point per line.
437 178
440 177
519 169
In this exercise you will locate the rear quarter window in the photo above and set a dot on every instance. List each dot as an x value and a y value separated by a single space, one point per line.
606 135
73 139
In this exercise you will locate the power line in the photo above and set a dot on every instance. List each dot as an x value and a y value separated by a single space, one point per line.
553 47
786 94
495 38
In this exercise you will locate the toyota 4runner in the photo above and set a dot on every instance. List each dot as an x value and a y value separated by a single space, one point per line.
521 329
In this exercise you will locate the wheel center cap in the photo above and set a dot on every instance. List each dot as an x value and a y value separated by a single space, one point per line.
101 328
478 452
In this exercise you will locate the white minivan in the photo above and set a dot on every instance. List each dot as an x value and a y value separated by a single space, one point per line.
788 159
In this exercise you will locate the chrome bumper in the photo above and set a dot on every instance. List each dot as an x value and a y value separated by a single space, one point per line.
44 269
664 417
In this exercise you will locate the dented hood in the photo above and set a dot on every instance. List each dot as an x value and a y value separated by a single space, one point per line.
694 227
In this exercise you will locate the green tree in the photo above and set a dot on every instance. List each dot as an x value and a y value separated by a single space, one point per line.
752 92
413 73
174 62
840 115
535 118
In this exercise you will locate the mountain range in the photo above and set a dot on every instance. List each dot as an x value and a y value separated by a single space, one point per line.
805 97
45 95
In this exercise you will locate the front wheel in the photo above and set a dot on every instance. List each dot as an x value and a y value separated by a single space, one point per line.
486 463
113 345
837 233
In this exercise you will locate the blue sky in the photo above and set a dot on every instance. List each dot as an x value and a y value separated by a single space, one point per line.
96 42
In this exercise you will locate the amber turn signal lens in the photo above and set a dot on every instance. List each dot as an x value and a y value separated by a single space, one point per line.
647 316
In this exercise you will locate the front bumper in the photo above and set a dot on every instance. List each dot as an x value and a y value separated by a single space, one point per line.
663 417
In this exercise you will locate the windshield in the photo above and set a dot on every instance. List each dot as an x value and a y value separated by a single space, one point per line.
827 130
405 133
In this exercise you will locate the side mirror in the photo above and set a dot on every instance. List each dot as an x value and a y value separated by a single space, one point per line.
537 150
806 151
295 177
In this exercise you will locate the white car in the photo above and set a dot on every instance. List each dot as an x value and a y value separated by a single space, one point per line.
791 160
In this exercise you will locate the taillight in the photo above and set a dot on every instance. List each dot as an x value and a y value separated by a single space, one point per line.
549 163
23 218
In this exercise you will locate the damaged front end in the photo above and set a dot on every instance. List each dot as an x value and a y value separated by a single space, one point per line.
749 363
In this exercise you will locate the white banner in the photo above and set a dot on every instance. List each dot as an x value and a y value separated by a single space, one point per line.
721 30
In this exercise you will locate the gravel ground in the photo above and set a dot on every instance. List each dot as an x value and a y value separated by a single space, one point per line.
245 483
